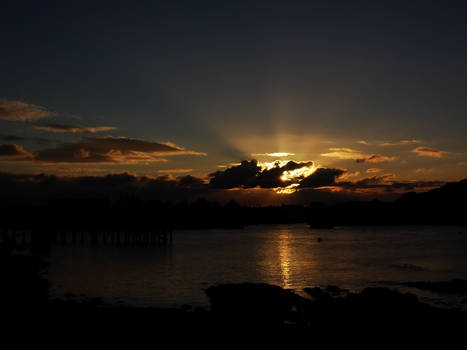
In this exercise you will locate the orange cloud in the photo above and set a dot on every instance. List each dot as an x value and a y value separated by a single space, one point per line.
347 175
373 170
359 157
21 111
401 142
428 152
343 153
376 158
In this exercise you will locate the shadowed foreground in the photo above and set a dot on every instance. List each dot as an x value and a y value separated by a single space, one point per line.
243 307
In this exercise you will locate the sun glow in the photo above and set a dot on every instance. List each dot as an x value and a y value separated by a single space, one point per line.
300 173
286 190
270 165
291 177
276 154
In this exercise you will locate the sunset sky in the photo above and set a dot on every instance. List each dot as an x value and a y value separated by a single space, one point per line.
350 97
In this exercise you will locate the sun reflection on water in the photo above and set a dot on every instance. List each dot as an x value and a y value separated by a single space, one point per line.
285 259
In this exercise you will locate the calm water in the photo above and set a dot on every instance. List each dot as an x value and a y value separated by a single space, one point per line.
285 255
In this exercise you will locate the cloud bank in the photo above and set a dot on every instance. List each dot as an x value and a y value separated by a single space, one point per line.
110 150
107 150
37 188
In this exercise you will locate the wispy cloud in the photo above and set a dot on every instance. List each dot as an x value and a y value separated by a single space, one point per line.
423 170
359 157
22 111
376 158
428 152
276 154
74 129
343 153
175 171
401 142
373 170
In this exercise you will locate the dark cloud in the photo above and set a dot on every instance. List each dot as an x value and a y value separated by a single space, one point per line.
376 158
368 182
73 129
190 181
13 152
249 174
38 188
322 177
110 150
271 178
21 111
243 175
12 138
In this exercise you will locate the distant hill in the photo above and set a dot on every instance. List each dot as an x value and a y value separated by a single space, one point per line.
449 194
446 205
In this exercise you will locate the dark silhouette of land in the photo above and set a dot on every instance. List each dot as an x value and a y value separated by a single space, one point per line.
442 206
133 221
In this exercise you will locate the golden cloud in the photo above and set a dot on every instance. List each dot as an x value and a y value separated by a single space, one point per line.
401 142
428 152
359 157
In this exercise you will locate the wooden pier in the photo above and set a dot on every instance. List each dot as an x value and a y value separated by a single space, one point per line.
45 238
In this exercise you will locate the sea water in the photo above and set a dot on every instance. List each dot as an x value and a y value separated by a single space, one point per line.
290 256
